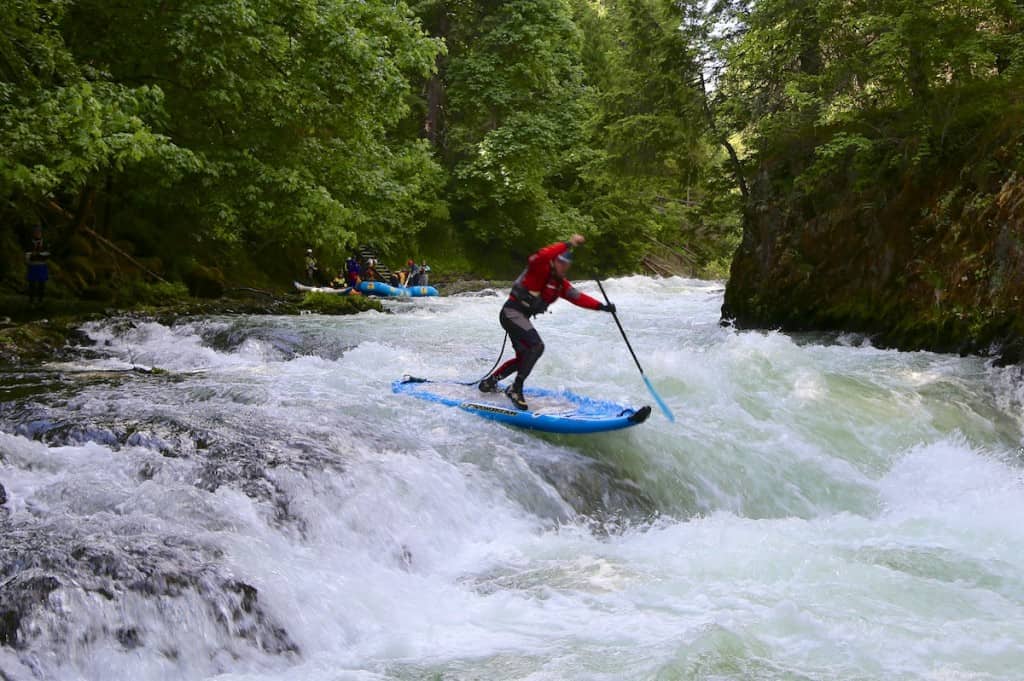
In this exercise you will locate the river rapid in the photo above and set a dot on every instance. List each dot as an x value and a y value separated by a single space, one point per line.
265 509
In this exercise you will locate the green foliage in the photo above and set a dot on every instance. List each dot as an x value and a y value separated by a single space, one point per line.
63 124
216 124
652 172
555 116
289 105
326 303
231 134
885 152
155 294
514 90
877 87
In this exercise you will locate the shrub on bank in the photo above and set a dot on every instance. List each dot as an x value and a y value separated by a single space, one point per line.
162 293
327 303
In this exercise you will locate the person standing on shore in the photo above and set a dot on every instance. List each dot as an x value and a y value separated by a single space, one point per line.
352 271
541 283
407 271
311 267
37 260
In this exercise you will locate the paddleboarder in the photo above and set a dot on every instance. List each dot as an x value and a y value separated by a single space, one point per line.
541 284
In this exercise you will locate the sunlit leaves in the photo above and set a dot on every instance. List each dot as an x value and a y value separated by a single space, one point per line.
235 120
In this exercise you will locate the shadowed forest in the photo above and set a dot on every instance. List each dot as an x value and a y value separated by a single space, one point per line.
869 151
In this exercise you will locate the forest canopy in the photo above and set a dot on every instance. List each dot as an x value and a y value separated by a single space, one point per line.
232 134
224 133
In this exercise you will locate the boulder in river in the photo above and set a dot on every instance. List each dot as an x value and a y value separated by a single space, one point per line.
19 595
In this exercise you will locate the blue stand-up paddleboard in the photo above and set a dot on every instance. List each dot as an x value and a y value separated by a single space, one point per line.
550 411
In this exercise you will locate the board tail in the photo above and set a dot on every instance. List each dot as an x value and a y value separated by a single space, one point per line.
640 415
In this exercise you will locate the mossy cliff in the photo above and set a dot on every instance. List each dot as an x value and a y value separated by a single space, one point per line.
920 244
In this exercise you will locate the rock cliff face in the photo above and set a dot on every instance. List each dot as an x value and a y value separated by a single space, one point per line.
925 260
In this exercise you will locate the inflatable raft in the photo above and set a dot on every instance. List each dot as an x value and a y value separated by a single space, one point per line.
323 289
379 288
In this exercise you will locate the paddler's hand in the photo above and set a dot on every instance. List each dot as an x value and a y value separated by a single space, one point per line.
576 239
607 307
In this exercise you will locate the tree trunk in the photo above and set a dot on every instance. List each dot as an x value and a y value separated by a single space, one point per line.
433 125
734 159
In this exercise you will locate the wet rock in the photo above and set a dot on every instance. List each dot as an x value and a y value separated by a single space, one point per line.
3 495
474 287
595 490
35 562
926 262
19 596
36 341
247 620
228 451
129 638
406 557
205 282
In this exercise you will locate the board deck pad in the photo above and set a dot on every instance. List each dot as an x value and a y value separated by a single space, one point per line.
554 411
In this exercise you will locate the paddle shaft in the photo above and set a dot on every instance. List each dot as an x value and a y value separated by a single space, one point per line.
615 316
650 387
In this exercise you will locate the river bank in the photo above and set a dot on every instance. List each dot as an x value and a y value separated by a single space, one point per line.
33 334
920 247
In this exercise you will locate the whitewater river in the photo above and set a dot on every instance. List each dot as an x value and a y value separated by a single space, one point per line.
266 509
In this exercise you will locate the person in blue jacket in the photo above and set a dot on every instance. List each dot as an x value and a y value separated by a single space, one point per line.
37 260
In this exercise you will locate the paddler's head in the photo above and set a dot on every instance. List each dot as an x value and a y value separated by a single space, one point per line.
562 263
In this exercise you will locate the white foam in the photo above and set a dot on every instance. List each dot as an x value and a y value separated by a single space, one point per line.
828 510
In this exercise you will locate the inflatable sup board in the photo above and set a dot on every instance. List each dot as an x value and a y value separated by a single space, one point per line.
550 411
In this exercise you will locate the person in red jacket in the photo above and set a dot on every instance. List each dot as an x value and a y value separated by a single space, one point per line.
541 283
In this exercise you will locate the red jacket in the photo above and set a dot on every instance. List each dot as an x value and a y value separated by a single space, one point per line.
540 275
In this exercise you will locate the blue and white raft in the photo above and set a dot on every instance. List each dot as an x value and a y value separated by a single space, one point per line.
379 288
550 411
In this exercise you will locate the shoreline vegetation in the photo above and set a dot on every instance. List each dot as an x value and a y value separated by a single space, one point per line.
209 143
33 334
847 167
886 173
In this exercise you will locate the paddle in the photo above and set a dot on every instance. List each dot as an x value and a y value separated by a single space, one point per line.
654 393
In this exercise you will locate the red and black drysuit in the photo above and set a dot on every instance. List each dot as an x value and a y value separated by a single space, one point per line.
540 277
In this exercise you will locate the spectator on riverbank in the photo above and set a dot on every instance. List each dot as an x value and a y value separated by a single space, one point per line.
371 270
406 272
340 281
312 269
38 267
418 274
353 271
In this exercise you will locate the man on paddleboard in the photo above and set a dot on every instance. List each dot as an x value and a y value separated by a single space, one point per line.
541 283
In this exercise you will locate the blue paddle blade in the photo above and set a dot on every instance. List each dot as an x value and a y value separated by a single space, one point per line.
657 398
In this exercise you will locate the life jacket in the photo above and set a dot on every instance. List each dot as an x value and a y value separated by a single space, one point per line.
536 304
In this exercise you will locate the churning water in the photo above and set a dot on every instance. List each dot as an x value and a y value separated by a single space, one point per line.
265 508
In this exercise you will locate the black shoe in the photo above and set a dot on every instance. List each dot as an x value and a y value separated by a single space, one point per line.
517 397
489 385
